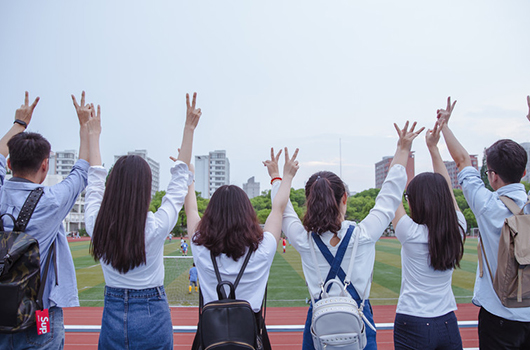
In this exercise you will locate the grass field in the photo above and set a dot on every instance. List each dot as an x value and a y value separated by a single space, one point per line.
286 282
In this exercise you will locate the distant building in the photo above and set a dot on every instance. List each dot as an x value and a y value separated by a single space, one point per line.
453 170
61 163
382 167
211 172
526 146
154 165
251 188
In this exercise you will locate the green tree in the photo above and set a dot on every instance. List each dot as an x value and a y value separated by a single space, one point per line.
470 219
526 186
156 201
460 200
483 174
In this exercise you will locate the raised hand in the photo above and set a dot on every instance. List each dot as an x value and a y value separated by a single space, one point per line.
192 115
407 136
445 114
272 164
25 111
94 121
291 164
433 136
84 111
527 100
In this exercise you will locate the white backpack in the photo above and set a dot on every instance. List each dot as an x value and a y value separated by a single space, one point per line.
337 322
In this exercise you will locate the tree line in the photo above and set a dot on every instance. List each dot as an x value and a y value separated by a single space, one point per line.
359 205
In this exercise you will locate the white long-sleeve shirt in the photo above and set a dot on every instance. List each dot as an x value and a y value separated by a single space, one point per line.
157 227
368 232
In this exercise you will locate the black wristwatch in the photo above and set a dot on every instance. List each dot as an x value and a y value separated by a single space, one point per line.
21 122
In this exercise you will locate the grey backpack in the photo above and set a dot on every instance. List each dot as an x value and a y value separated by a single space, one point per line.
337 321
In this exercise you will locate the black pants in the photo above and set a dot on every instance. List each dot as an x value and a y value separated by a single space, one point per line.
496 333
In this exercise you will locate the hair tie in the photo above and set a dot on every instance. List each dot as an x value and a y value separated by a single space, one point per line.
318 178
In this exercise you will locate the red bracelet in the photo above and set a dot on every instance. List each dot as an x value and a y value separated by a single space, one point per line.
275 178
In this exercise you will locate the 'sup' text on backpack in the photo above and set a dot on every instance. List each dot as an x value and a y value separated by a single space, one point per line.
512 278
21 288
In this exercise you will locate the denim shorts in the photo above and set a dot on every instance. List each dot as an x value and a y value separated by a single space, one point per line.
411 332
29 339
136 320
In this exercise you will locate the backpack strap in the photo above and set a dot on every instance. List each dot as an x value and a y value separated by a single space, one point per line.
335 262
27 209
221 292
510 204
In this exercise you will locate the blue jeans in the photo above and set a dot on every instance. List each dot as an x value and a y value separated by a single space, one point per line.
29 339
136 319
371 344
441 333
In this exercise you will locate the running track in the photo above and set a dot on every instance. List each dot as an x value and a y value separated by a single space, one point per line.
182 316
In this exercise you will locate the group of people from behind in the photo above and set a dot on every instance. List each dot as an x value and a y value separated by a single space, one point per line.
128 239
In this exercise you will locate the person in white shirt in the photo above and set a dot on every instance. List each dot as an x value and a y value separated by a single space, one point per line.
326 200
128 240
228 231
432 241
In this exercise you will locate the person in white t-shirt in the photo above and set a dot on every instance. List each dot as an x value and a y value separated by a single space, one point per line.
128 240
227 230
326 203
432 241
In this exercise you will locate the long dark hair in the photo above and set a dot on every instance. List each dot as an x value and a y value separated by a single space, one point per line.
431 205
324 191
119 232
229 224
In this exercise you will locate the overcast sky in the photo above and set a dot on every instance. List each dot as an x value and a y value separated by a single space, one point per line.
270 73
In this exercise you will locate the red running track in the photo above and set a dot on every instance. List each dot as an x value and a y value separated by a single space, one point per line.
182 316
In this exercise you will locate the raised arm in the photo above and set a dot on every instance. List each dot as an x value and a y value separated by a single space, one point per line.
93 126
192 119
274 221
431 139
190 207
457 151
22 120
84 111
401 157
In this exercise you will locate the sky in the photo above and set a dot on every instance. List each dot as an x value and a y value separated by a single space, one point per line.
328 77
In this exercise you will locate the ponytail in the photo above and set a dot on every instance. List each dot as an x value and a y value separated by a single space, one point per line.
324 191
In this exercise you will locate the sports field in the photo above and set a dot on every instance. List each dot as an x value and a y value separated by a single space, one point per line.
286 282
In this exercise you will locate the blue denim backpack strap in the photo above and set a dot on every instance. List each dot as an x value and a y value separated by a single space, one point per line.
335 261
337 271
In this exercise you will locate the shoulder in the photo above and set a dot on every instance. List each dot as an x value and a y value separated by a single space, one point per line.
407 230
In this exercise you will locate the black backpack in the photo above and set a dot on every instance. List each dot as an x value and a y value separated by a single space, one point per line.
229 323
21 288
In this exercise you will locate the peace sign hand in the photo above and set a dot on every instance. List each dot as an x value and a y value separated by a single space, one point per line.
272 164
291 164
192 114
84 111
25 111
407 136
445 114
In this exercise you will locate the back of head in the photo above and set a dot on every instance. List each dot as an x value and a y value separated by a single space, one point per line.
229 224
508 159
324 191
431 204
27 150
119 232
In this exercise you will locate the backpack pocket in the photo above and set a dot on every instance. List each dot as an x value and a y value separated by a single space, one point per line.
350 341
9 303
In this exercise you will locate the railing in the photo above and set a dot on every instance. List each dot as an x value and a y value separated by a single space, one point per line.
270 328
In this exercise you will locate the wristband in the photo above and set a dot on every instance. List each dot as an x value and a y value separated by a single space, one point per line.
275 178
21 122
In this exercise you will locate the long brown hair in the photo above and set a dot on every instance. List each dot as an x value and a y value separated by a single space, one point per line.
229 225
431 205
119 232
324 191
